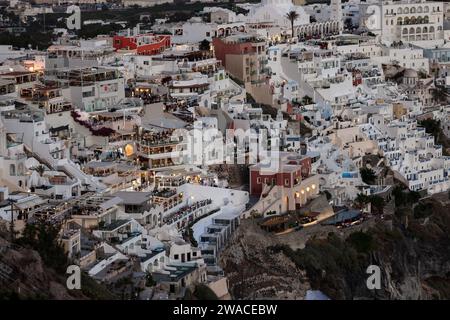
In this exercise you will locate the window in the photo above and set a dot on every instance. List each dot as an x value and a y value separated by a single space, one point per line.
175 256
286 182
258 180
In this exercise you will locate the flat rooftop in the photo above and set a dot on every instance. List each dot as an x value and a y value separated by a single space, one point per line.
133 197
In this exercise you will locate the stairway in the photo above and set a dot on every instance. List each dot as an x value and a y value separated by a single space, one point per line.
32 154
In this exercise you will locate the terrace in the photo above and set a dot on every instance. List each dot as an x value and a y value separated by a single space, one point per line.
176 273
115 225
155 139
91 205
168 198
6 87
86 77
164 193
100 168
186 212
24 115
20 77
171 181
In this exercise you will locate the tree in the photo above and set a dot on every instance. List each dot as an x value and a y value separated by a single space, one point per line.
204 45
348 23
399 196
362 242
203 292
377 203
367 175
292 16
149 282
43 237
307 100
431 126
40 169
361 200
413 197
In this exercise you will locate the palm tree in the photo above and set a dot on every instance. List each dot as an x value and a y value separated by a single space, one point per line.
39 169
307 100
367 175
292 16
361 200
204 45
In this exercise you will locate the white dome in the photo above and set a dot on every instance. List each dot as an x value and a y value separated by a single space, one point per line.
410 73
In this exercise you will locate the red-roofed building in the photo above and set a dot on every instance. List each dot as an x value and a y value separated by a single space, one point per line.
289 174
144 44
290 186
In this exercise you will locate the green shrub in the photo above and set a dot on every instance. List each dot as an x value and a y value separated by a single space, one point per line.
362 242
203 292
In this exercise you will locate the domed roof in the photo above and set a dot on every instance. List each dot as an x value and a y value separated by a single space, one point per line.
410 73
275 10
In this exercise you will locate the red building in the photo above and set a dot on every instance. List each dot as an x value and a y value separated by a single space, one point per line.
144 44
289 175
222 47
243 56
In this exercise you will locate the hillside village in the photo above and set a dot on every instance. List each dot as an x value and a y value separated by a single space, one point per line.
144 151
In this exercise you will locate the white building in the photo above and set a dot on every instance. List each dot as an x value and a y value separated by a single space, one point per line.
407 20
93 89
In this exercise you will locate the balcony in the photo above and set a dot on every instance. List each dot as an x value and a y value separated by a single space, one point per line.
186 211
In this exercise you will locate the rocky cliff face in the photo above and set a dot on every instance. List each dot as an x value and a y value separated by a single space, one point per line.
413 255
256 271
24 275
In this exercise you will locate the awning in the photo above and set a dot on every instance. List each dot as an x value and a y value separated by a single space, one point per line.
110 203
28 204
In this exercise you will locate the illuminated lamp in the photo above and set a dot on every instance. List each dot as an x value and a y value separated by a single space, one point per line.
129 150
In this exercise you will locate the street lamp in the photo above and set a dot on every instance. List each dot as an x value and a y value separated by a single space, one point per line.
11 202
